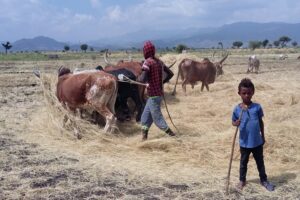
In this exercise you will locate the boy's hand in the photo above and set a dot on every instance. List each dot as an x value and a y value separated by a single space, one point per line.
236 123
264 141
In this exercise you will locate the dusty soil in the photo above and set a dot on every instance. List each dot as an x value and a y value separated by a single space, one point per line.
41 159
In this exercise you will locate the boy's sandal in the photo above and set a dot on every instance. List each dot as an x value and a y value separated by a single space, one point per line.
268 186
240 185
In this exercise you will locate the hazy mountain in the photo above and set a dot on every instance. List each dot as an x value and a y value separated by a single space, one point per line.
193 37
208 37
163 38
245 32
39 43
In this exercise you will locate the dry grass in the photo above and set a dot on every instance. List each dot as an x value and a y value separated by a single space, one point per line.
191 166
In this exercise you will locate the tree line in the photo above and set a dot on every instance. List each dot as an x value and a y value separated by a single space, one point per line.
83 47
282 42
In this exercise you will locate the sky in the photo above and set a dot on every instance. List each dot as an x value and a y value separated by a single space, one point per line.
86 20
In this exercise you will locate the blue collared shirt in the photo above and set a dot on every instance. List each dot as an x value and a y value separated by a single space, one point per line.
250 136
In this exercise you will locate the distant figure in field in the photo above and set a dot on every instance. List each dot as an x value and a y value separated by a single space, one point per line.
252 137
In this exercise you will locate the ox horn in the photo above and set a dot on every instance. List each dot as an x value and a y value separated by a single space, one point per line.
59 69
223 59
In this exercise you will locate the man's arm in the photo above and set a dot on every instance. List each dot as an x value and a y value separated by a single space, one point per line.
144 77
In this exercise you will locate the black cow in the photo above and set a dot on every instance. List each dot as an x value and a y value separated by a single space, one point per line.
125 91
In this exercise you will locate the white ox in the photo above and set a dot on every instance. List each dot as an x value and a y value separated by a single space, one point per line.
253 63
283 56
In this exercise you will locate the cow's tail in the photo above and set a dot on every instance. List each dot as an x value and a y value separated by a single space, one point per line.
113 98
181 75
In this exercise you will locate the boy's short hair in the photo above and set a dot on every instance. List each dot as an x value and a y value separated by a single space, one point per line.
246 83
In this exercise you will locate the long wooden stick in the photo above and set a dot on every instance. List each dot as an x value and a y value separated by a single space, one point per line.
133 82
231 156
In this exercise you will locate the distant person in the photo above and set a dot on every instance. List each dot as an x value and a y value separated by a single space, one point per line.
152 75
252 137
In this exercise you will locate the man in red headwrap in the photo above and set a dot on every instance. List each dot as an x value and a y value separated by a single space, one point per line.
152 74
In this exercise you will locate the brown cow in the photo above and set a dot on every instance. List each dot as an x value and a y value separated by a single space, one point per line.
192 71
95 90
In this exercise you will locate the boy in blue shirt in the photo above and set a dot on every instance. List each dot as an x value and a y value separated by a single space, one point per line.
252 136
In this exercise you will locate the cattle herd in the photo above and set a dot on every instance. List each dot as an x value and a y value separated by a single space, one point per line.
101 91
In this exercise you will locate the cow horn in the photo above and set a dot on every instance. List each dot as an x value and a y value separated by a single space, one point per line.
105 58
172 65
223 59
59 69
213 56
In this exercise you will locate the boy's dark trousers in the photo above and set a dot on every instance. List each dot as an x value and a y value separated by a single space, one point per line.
259 159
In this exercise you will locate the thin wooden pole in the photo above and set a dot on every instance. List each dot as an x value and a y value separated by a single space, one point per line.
231 156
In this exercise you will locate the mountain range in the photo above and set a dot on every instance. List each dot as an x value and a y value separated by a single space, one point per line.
192 37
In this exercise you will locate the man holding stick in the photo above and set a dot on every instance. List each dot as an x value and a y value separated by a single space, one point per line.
152 75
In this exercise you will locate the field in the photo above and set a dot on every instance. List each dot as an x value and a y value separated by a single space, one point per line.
42 159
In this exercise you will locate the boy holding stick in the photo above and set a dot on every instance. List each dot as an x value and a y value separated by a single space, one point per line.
252 136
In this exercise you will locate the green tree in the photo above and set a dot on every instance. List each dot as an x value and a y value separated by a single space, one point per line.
284 40
294 44
221 45
66 47
254 44
180 47
265 43
7 46
84 47
237 44
276 43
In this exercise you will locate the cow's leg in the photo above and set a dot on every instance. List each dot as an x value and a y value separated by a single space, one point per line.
202 86
122 108
206 85
138 103
251 69
109 117
184 86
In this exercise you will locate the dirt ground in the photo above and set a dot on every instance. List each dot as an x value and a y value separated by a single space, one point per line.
41 159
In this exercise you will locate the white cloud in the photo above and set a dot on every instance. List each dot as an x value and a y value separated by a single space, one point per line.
79 18
115 14
36 17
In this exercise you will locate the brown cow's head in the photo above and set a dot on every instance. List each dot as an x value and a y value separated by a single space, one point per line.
63 70
219 66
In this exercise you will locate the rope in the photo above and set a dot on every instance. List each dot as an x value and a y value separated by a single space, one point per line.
163 95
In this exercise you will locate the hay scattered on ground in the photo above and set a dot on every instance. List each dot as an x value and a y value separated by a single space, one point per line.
195 162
